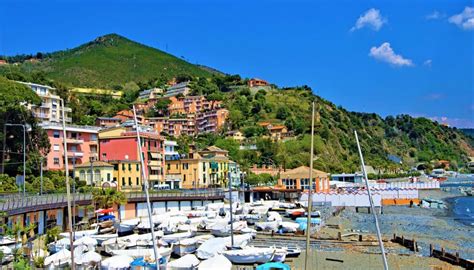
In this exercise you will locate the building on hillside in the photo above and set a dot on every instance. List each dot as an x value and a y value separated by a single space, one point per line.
107 121
211 121
170 152
82 145
277 132
236 135
254 82
299 179
179 88
152 93
50 109
127 175
202 169
158 124
181 126
94 173
120 143
3 62
127 115
176 106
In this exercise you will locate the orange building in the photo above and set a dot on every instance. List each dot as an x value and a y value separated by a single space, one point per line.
211 121
257 82
299 179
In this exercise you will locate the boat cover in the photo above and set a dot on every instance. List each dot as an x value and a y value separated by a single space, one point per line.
218 262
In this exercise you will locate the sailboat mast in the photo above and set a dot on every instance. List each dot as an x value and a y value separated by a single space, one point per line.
146 185
372 208
310 199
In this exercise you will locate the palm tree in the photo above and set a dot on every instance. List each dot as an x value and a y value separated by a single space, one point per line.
109 197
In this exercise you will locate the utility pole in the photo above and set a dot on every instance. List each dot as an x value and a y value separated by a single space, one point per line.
379 235
92 171
231 218
310 199
68 189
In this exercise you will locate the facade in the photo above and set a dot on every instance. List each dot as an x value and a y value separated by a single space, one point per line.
50 109
299 179
121 144
101 172
127 175
257 82
152 93
180 88
203 169
170 152
211 121
236 135
348 177
107 121
82 145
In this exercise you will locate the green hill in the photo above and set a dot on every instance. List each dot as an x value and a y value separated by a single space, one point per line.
110 61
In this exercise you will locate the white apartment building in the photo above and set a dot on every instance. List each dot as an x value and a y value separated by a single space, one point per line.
50 108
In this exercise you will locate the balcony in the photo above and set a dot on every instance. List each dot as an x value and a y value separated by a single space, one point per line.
67 109
155 177
76 153
154 163
74 140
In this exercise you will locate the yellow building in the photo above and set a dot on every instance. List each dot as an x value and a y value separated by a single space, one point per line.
127 175
206 168
102 172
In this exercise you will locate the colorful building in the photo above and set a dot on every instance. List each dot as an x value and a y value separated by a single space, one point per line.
120 143
299 179
107 121
127 175
94 173
202 169
82 145
179 88
50 109
211 121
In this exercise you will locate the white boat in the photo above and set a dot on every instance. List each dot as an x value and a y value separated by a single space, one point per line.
173 238
58 245
7 254
280 255
134 240
88 258
185 246
58 259
6 241
218 262
288 226
274 216
120 262
126 227
79 234
202 238
267 226
223 229
250 255
213 246
103 237
289 212
87 241
142 252
187 262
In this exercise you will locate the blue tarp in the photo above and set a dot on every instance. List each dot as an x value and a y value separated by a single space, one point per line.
303 222
273 265
106 217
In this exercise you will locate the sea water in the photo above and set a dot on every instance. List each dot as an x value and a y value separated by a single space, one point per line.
463 210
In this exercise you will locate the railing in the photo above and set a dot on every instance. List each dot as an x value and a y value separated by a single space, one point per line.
22 204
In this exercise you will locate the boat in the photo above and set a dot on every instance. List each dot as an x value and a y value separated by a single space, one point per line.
142 252
120 262
289 227
6 241
273 216
223 229
59 245
106 217
79 234
218 262
87 241
126 227
187 262
134 240
185 246
213 246
172 238
267 226
106 224
294 213
303 222
250 255
273 266
59 259
89 258
293 251
103 237
280 254
7 254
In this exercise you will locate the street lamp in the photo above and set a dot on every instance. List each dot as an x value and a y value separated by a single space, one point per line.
24 126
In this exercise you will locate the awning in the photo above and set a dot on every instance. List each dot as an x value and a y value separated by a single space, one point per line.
155 155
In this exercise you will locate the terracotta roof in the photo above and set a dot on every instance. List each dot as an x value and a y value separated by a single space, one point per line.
263 124
302 172
277 127
94 164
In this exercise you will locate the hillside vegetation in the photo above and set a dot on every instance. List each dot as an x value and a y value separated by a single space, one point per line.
114 62
109 62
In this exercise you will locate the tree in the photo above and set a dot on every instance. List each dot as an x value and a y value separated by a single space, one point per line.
160 108
283 113
108 197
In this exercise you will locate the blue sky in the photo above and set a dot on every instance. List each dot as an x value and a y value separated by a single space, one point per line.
388 57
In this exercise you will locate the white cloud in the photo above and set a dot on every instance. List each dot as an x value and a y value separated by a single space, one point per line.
465 19
435 15
371 18
453 122
386 54
428 63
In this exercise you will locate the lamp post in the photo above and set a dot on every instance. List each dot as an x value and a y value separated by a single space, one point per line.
24 153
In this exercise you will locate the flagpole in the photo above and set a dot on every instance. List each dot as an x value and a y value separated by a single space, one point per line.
310 199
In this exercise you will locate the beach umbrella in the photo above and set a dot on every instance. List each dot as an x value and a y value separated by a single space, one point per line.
89 258
86 240
59 258
118 262
218 262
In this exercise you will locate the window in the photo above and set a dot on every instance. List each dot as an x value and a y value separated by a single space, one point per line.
177 166
104 156
123 166
123 181
93 137
82 175
56 161
138 181
56 134
184 177
138 167
130 181
56 147
108 177
116 167
129 166
168 166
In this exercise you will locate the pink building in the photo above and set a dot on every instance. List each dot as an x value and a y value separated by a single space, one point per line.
120 144
82 144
